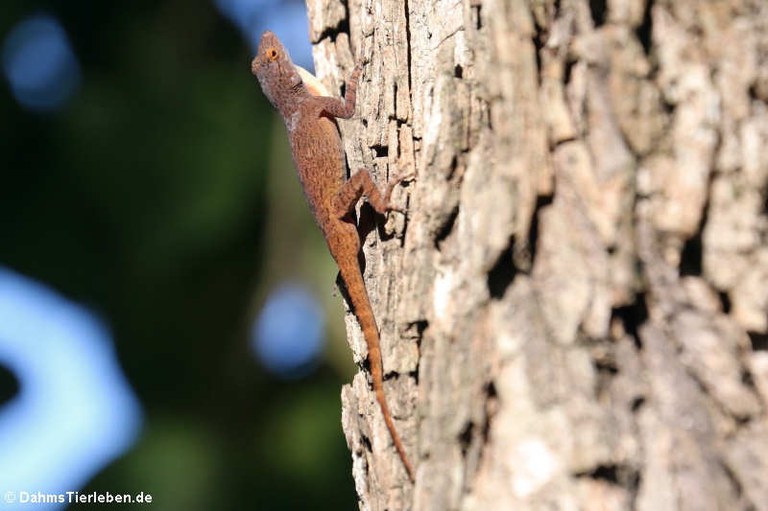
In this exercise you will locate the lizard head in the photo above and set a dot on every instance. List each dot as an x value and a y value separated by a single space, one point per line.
275 71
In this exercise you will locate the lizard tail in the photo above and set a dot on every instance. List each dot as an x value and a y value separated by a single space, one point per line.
364 314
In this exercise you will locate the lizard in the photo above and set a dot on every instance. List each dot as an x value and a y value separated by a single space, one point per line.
318 156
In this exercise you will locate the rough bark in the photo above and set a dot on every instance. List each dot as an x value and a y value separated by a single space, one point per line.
574 312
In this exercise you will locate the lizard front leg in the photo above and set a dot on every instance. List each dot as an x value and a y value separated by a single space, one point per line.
342 108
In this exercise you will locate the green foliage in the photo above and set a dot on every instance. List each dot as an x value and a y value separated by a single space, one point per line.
145 198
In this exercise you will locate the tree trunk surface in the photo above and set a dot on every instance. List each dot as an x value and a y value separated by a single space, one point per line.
574 312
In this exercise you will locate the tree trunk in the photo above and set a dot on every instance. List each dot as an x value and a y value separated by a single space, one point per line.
574 313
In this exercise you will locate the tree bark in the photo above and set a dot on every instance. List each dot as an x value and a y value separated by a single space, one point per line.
574 313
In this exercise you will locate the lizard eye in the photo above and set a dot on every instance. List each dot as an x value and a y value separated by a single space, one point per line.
271 54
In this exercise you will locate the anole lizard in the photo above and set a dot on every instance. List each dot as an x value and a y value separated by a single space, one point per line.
319 159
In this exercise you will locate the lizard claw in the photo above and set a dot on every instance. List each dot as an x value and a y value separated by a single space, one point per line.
390 188
356 72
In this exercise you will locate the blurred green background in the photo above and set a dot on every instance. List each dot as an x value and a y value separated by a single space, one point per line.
162 196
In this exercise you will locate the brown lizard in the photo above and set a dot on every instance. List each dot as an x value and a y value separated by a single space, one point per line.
319 159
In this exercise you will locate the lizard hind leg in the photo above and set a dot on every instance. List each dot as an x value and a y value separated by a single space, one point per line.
359 184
